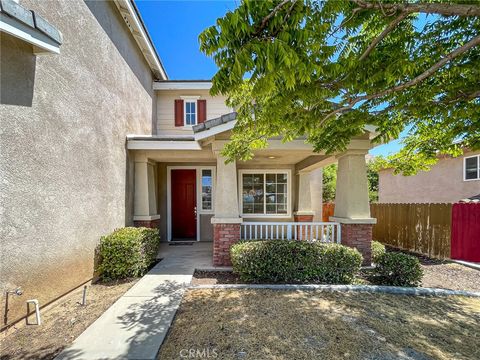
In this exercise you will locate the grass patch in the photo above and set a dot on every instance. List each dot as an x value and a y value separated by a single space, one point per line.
269 324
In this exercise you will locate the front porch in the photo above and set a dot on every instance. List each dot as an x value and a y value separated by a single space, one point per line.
185 187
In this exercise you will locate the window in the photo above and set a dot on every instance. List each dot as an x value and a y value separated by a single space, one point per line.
472 168
265 193
190 112
207 189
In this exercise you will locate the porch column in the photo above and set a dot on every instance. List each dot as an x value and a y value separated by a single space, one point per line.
226 221
316 190
304 210
145 195
352 206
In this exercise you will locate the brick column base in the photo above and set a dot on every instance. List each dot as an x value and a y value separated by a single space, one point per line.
224 236
359 236
153 224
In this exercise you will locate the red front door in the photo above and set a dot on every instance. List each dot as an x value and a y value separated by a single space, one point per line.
184 222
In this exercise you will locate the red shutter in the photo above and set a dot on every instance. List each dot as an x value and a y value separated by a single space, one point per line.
178 112
202 110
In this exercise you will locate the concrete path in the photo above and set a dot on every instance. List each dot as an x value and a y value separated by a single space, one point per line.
135 326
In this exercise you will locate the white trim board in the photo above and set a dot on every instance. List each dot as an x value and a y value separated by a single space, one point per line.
182 85
162 145
198 171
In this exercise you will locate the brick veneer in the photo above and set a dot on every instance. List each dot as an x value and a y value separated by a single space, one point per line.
153 224
224 236
303 218
359 236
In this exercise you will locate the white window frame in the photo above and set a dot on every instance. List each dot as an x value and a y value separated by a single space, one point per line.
189 99
465 168
200 211
266 171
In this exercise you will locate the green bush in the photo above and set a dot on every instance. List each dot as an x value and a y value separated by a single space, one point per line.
295 262
127 252
398 269
378 249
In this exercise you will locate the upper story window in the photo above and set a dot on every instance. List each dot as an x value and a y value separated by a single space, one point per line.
190 112
471 168
265 193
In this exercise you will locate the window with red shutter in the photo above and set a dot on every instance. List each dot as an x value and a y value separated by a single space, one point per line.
202 110
178 112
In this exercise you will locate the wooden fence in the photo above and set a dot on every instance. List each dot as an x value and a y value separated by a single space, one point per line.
421 228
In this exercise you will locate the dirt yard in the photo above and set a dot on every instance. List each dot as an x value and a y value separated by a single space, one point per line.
62 322
269 324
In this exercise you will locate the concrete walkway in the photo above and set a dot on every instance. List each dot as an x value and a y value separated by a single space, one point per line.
135 326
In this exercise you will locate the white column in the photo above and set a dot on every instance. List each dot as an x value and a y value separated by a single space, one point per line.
316 191
226 192
304 195
145 198
351 196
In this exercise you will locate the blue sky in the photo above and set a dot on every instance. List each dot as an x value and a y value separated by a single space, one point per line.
174 27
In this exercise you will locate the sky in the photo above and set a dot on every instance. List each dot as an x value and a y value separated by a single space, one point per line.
174 27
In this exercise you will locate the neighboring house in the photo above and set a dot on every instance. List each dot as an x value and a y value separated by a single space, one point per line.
94 137
449 181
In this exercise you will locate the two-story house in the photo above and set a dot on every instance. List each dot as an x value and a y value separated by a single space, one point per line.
95 136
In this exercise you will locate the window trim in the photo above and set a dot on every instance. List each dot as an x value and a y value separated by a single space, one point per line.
190 99
266 171
465 168
200 209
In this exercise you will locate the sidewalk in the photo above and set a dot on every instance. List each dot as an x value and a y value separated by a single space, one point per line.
135 326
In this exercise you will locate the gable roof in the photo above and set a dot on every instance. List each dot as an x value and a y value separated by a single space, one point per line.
134 22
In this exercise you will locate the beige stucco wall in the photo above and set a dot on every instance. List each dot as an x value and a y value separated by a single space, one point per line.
442 184
66 177
166 112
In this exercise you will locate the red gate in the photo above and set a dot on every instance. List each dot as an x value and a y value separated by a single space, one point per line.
465 244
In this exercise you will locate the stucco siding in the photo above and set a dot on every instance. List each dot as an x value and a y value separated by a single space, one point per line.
66 176
166 113
442 184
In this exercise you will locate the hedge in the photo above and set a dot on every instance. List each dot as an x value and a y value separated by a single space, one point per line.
378 249
291 261
398 269
127 252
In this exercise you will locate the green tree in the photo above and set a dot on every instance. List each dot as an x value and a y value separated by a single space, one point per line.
372 177
326 69
329 182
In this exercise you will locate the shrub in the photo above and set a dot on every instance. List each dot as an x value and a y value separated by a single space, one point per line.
378 249
398 269
127 252
294 261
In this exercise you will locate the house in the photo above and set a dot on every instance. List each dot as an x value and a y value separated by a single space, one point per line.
95 136
449 181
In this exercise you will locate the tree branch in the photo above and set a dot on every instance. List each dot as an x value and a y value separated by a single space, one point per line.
426 74
384 33
267 18
428 8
